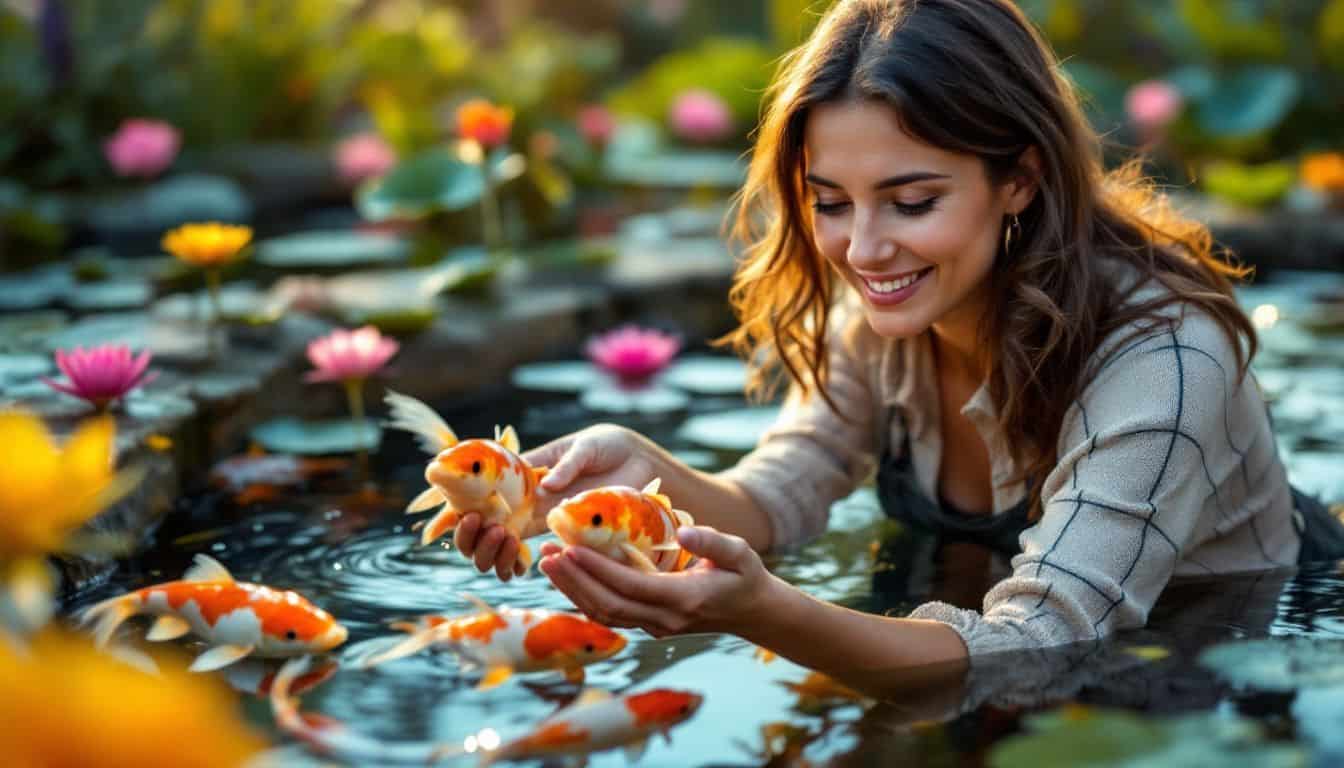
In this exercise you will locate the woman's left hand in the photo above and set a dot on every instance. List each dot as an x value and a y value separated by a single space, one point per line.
725 591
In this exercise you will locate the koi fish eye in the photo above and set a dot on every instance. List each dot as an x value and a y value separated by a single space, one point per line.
597 520
588 648
291 635
475 467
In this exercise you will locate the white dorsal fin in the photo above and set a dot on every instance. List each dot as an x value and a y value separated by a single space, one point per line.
667 546
219 657
207 568
509 439
478 602
635 750
652 487
683 517
413 416
428 499
168 627
591 696
663 501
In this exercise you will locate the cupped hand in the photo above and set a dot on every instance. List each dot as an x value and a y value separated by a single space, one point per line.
726 590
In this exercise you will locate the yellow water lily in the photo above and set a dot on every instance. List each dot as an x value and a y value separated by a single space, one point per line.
209 245
65 703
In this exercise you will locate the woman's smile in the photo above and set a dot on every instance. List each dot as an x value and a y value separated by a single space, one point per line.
890 290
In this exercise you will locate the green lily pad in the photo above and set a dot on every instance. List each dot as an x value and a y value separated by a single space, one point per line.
314 438
1079 736
430 182
20 367
679 170
1252 185
649 400
571 376
109 295
395 320
705 375
1278 663
736 430
331 249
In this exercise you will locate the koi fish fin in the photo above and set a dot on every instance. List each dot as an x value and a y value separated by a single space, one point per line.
638 558
508 438
575 675
107 616
499 506
283 706
524 556
219 657
591 696
667 736
636 750
764 655
428 499
683 560
494 676
134 657
443 522
483 606
168 627
666 546
207 568
683 517
652 488
419 640
540 472
409 627
413 416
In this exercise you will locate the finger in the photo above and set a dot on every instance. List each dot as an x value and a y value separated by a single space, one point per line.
629 582
551 548
464 538
568 467
504 562
604 604
487 549
725 551
547 455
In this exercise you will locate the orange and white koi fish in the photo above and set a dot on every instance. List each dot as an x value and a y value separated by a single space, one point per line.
236 618
597 720
479 475
505 640
638 527
256 677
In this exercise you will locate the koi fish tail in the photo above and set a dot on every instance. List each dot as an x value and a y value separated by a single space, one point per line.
284 707
107 616
413 416
443 522
418 641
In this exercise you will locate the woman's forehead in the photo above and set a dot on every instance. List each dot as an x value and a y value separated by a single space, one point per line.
861 140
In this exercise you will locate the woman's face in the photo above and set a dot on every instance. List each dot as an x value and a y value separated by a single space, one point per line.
912 228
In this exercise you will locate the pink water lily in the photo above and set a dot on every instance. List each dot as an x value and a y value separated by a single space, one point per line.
349 355
596 124
142 147
364 156
632 354
1152 105
102 375
700 116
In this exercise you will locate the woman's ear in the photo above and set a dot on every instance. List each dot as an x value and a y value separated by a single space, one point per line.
1025 181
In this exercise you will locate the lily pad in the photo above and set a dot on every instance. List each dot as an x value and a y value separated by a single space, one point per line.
737 430
1278 664
395 320
573 376
155 406
679 170
705 375
652 399
121 294
314 438
427 183
15 368
332 249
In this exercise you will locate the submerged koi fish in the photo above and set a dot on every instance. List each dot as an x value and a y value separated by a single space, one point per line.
256 677
505 640
483 476
236 618
597 720
636 527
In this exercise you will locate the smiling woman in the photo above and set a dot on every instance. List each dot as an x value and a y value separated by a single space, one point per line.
1034 355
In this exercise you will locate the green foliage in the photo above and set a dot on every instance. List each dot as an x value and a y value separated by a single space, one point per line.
1250 185
431 182
737 71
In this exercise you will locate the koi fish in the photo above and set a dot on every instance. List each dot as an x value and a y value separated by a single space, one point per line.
597 720
505 640
256 677
236 618
636 527
479 475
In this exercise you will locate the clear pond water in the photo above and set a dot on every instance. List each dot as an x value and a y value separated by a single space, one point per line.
358 559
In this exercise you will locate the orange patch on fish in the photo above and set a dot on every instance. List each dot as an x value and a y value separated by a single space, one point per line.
557 735
480 627
660 706
563 634
278 612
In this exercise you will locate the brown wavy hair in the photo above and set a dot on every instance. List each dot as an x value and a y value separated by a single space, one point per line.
970 76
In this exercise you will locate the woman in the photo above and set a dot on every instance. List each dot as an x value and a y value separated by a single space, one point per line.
1031 354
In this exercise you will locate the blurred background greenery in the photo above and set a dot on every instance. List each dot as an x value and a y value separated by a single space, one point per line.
1240 99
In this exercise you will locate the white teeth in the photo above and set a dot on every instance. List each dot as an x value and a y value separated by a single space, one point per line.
887 286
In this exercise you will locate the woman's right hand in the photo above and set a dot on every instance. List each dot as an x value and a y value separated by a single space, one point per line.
605 454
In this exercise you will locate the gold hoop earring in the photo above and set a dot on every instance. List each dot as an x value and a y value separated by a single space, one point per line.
1011 232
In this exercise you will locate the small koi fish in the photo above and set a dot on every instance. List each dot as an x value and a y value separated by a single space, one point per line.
256 677
632 526
236 618
479 475
597 720
505 640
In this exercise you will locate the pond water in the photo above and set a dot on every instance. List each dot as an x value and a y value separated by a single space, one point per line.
357 558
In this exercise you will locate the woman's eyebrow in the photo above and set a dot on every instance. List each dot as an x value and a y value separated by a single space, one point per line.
894 181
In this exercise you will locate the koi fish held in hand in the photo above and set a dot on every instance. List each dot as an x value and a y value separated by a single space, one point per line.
487 477
236 618
505 640
638 527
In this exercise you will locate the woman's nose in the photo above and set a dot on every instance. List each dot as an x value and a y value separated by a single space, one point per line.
869 248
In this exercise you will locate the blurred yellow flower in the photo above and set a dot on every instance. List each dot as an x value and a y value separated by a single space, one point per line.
65 703
47 492
207 245
1324 171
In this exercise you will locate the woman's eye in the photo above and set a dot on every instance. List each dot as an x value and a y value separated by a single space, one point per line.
915 209
828 209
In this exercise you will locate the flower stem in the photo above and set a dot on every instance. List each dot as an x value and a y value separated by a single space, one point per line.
491 226
354 395
216 311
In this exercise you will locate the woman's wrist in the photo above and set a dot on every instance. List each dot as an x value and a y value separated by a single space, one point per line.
768 612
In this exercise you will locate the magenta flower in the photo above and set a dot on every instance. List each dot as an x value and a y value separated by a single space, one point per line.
700 116
1152 105
349 355
143 148
364 156
101 375
631 354
596 124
